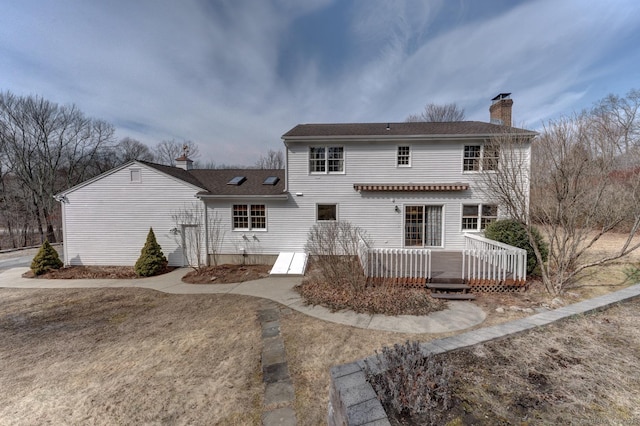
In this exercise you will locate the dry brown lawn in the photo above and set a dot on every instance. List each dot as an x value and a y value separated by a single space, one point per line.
129 356
135 356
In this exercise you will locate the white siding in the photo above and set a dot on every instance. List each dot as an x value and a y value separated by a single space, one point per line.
285 231
375 162
106 222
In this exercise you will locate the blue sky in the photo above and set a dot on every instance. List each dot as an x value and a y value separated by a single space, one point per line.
234 75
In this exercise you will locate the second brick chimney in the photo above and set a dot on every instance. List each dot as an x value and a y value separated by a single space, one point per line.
500 109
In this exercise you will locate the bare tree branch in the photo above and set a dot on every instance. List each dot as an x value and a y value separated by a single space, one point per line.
441 113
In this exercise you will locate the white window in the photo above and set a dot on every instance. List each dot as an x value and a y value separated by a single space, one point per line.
404 156
136 175
325 212
247 217
480 157
423 226
476 217
326 159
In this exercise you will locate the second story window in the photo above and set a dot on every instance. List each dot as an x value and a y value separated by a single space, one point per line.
480 157
404 156
326 159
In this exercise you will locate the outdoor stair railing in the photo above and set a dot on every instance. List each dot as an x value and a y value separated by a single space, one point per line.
486 262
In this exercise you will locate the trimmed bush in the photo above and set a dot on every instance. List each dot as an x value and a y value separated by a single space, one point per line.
46 259
151 261
514 233
411 383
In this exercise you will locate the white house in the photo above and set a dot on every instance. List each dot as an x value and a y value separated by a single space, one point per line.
410 185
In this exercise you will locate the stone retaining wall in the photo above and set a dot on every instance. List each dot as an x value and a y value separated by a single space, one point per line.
352 400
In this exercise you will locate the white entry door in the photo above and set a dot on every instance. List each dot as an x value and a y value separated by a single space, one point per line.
191 247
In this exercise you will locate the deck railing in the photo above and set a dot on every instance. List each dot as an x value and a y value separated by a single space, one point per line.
486 261
395 264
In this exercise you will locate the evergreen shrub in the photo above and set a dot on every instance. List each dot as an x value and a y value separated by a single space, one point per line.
151 261
46 259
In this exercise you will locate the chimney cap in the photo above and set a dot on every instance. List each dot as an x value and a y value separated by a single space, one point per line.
501 96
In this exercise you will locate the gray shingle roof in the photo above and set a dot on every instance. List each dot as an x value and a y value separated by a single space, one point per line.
176 172
215 182
452 128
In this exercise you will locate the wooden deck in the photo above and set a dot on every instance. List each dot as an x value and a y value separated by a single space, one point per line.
446 268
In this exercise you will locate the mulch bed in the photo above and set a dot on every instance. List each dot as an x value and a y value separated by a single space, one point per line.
382 299
227 273
92 272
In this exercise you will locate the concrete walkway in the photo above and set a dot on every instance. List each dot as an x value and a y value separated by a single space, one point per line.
458 316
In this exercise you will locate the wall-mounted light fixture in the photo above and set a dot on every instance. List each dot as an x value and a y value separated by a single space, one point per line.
299 194
397 209
174 231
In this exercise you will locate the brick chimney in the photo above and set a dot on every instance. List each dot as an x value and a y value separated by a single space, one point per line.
500 109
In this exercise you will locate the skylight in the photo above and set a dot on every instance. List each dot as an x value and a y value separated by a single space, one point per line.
271 180
237 180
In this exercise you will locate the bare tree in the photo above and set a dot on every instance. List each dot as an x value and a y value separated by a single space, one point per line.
167 151
618 118
190 234
131 149
335 247
440 113
273 160
578 193
49 147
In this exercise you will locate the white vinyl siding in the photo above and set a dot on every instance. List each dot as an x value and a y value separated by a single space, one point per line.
371 162
106 222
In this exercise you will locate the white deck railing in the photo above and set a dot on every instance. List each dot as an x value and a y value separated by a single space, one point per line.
485 260
395 263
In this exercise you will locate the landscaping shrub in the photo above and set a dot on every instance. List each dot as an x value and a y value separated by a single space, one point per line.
514 233
410 382
334 247
46 259
151 261
381 299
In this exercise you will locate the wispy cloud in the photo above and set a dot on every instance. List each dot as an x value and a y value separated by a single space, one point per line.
235 75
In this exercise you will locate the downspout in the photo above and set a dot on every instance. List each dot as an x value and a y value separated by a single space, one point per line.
206 234
63 200
286 167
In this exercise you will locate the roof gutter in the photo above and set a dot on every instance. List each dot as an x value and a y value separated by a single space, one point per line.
401 137
283 197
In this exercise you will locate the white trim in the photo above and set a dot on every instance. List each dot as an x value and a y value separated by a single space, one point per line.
326 159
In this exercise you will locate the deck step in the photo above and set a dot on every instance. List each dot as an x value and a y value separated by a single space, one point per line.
446 286
453 296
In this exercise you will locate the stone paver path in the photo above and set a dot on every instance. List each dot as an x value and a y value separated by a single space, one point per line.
278 391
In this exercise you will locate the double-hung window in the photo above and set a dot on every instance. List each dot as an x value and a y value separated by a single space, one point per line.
476 217
404 156
480 157
248 217
326 159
